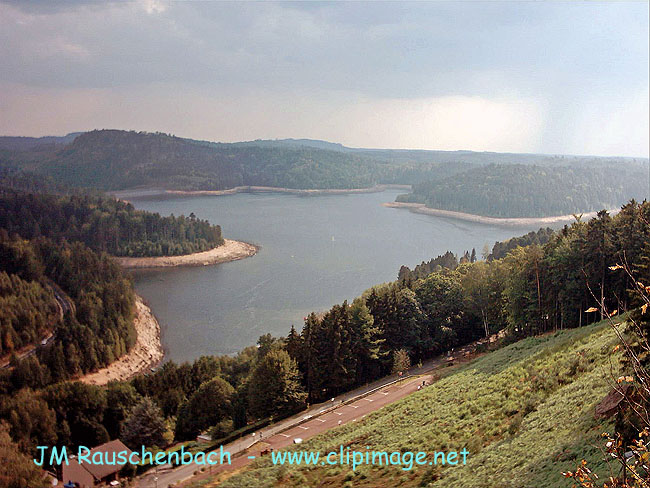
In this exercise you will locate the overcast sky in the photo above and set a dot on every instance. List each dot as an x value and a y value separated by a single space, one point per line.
546 77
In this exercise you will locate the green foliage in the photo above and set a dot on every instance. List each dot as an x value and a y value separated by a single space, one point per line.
97 323
104 224
517 190
79 412
17 469
28 312
30 420
447 260
274 387
120 399
441 298
401 361
111 159
172 384
501 249
145 426
524 413
208 406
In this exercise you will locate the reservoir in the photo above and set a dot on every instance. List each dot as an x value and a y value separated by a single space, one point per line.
315 251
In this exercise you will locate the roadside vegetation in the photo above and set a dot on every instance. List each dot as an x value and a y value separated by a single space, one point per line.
525 412
556 286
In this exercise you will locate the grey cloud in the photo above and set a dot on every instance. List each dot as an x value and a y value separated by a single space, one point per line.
50 7
391 50
565 55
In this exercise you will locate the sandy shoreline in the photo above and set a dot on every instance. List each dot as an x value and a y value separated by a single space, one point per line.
146 353
273 189
229 251
502 221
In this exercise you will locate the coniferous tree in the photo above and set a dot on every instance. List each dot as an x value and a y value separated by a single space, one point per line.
274 388
209 405
145 426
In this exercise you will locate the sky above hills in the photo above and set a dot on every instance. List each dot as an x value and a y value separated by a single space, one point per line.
546 77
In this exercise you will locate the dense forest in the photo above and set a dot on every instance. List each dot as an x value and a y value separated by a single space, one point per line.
29 310
447 260
532 191
112 160
105 224
91 325
33 206
533 289
501 249
450 261
492 184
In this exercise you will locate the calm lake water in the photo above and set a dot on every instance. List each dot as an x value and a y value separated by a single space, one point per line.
315 251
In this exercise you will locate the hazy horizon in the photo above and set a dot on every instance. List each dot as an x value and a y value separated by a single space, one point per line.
180 136
519 77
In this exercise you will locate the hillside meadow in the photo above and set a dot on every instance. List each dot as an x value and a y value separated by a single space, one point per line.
525 412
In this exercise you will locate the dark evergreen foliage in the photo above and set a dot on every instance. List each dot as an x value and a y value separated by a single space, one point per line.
519 190
500 249
104 224
97 312
447 260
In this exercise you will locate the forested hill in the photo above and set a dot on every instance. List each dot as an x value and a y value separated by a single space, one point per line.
111 160
96 331
32 206
454 157
490 184
35 143
533 191
105 224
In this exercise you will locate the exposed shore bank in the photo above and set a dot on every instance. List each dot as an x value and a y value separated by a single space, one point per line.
229 251
273 189
500 221
146 353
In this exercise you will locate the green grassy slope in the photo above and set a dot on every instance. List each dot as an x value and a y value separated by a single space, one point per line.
525 412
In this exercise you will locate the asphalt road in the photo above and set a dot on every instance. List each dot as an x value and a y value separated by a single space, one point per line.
308 424
341 415
349 407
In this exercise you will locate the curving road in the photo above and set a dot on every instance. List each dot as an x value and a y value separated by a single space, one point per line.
65 305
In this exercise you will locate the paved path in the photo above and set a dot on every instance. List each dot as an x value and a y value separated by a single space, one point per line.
349 407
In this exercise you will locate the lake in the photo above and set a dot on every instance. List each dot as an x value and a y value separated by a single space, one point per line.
316 251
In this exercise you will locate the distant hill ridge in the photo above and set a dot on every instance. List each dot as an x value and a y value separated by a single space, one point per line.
114 159
22 143
484 183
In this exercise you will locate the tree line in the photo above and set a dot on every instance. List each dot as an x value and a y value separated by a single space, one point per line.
533 289
501 249
104 224
517 190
